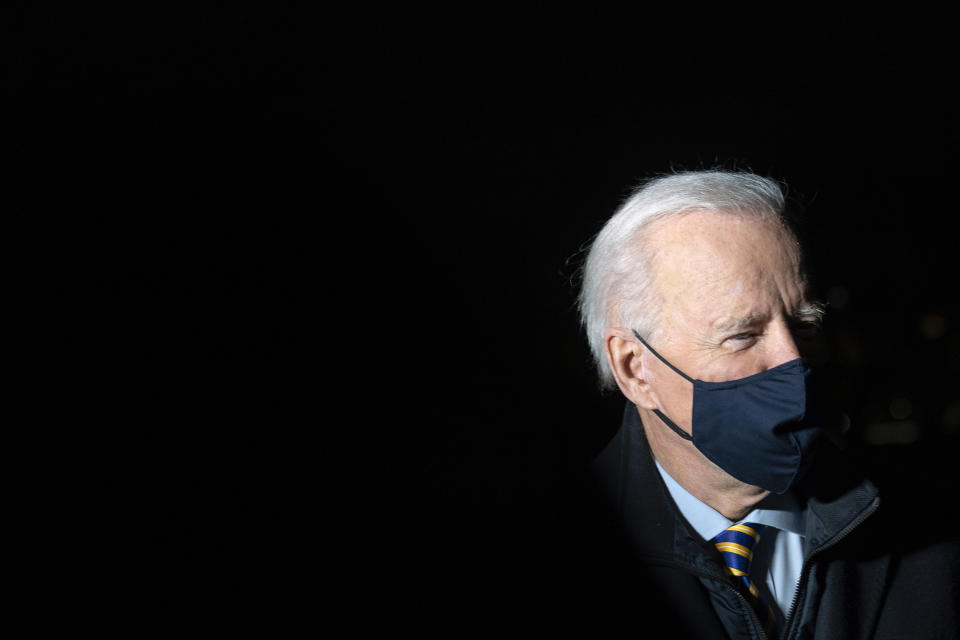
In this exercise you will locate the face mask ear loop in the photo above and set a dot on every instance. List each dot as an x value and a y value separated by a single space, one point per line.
660 357
667 421
670 423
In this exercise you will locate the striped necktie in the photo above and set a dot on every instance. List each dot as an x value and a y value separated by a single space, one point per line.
736 546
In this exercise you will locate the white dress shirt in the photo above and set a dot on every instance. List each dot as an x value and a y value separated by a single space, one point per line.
780 562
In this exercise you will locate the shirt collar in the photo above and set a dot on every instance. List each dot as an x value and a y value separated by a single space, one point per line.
780 511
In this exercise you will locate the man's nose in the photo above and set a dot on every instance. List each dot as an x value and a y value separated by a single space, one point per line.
782 346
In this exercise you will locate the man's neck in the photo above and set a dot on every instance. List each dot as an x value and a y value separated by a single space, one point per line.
699 476
734 507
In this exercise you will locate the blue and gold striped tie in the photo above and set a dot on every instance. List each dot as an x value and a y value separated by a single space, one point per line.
736 546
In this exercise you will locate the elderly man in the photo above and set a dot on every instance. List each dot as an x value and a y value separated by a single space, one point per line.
737 510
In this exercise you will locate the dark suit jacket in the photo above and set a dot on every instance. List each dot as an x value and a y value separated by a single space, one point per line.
867 573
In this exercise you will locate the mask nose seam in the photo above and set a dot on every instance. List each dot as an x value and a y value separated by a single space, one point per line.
798 363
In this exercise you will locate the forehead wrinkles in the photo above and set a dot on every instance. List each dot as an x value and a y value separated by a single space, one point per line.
707 253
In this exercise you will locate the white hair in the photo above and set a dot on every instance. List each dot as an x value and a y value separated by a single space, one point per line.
618 287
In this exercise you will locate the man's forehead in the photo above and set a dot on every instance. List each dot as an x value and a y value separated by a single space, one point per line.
703 241
730 271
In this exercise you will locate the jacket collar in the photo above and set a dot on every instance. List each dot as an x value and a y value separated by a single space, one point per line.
835 497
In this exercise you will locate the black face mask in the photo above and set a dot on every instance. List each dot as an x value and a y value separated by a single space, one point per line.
759 429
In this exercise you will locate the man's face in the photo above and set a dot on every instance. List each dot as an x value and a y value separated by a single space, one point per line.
730 296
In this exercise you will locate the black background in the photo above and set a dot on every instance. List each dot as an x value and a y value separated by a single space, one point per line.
315 270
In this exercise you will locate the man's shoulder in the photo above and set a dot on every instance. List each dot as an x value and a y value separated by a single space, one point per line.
624 469
914 524
915 527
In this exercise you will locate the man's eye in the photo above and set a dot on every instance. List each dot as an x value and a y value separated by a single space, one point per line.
806 329
743 336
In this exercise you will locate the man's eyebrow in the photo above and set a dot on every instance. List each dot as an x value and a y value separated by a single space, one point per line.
740 323
810 310
806 312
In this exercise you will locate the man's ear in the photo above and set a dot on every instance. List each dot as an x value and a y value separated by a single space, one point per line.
625 357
